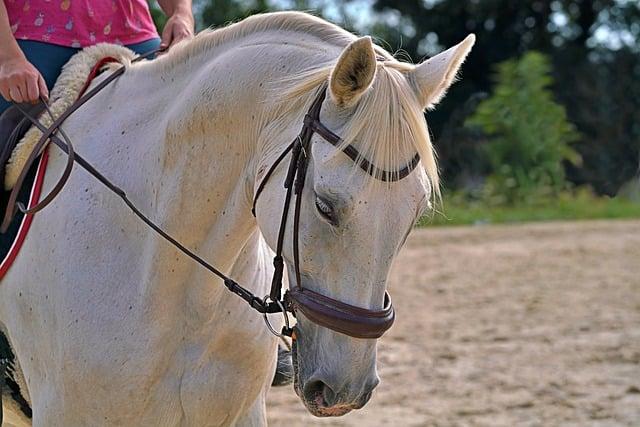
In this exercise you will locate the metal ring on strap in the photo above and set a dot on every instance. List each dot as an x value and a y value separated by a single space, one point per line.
284 313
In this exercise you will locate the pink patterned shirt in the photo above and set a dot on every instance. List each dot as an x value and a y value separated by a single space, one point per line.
80 23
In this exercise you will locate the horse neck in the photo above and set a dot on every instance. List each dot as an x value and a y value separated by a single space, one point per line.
213 117
201 177
200 121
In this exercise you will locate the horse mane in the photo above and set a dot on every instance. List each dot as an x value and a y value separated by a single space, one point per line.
399 129
288 21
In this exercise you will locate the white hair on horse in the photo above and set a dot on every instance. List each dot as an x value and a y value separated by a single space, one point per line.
294 22
113 324
387 126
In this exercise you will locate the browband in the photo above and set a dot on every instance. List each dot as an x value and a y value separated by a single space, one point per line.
357 158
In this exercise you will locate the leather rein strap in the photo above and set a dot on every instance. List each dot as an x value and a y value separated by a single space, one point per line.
347 319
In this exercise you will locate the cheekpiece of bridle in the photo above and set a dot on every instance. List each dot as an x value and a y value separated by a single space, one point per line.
325 311
341 317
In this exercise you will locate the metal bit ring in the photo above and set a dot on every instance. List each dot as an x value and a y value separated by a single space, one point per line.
284 313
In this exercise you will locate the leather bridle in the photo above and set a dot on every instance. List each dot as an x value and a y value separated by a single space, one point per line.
345 318
325 311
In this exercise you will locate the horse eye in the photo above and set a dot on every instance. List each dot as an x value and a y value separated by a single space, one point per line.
325 209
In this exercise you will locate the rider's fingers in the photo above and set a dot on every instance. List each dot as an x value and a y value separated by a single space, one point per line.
4 91
15 94
32 88
44 92
167 35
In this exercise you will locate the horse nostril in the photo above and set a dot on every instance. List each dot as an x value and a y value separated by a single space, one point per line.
320 394
367 393
330 397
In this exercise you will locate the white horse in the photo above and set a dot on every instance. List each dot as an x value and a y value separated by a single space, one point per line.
111 325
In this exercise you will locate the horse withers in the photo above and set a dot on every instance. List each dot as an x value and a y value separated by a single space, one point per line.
111 325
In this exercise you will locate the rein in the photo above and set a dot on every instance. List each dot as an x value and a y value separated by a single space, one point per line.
341 317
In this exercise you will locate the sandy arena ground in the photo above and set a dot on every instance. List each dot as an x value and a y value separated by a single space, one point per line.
535 325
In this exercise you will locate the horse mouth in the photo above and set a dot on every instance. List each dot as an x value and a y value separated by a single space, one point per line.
317 406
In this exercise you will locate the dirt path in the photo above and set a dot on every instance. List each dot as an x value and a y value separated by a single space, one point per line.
507 325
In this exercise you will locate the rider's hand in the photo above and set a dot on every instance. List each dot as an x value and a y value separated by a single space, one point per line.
179 26
20 81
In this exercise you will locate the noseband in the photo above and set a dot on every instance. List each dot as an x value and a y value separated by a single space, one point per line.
345 318
341 317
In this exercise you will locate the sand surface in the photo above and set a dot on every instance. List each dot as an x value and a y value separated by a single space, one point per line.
506 325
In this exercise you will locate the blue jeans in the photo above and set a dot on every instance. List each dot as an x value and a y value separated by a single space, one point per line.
49 59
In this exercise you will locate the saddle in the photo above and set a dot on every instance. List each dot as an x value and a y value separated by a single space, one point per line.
13 126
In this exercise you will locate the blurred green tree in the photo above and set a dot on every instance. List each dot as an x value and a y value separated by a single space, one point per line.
528 134
157 15
593 45
219 13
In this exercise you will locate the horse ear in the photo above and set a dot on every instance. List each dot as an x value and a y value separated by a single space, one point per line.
433 77
353 73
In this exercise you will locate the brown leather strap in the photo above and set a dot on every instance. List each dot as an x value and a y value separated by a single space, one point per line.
266 177
37 151
355 156
348 319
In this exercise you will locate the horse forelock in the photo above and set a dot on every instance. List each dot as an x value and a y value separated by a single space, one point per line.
387 125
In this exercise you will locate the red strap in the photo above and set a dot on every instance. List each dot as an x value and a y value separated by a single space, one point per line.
95 71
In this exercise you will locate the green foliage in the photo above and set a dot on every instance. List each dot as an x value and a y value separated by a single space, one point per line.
219 13
598 78
579 204
528 132
157 15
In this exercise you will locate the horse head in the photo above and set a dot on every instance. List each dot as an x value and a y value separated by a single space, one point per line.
352 224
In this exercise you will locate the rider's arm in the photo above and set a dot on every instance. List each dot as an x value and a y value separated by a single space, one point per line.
19 80
180 24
